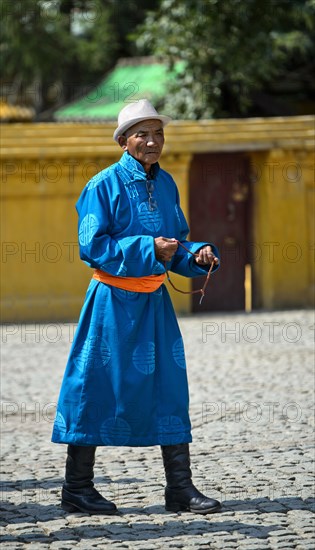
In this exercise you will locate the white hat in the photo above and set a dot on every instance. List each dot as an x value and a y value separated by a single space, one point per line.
136 112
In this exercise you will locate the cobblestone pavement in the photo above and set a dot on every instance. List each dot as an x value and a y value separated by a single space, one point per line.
251 385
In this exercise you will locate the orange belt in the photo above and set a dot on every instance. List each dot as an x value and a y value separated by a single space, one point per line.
135 284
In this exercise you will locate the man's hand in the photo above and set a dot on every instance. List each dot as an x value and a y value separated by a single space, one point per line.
206 256
165 248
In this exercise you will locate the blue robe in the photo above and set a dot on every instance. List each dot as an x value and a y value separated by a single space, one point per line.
125 382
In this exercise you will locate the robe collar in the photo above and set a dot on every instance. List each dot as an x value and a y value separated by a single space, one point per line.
137 172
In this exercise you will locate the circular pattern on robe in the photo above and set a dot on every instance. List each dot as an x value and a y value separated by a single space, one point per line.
150 219
179 353
115 431
144 357
93 354
171 430
87 229
60 423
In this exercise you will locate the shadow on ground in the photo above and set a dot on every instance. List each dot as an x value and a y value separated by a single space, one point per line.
118 529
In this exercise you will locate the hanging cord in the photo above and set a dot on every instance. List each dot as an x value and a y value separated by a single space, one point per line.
202 290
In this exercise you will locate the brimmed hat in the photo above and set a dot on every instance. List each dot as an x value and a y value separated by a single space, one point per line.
136 112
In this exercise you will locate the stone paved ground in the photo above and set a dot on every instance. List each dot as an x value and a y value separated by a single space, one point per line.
252 389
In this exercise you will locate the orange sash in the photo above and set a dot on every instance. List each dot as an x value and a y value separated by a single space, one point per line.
134 284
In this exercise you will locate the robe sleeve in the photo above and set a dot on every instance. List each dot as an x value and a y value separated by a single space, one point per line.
184 263
132 256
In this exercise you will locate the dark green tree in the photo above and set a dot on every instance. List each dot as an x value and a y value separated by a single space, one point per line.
54 50
241 57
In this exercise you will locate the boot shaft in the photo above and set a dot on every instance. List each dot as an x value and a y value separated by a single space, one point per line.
176 461
79 472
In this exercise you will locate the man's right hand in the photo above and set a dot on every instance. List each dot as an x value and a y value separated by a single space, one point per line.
165 248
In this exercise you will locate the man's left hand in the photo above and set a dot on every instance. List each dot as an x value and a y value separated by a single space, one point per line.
206 256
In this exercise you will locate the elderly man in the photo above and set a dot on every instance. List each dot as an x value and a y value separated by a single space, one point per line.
125 382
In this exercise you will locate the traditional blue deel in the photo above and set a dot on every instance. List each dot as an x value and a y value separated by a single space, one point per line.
125 382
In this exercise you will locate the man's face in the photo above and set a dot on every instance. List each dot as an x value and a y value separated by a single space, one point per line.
144 141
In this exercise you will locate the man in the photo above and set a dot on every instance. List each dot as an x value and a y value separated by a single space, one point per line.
125 382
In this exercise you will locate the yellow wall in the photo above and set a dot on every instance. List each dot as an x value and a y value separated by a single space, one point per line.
42 276
283 228
44 168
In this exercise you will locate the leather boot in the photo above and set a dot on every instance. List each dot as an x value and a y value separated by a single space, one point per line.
180 493
78 492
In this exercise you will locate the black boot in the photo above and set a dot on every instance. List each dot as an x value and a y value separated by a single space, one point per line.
78 492
180 493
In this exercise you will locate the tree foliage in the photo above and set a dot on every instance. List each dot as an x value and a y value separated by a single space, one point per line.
51 50
241 58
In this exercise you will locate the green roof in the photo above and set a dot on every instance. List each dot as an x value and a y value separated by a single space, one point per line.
124 84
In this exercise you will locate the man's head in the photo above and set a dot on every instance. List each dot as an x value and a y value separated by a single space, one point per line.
140 132
144 141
